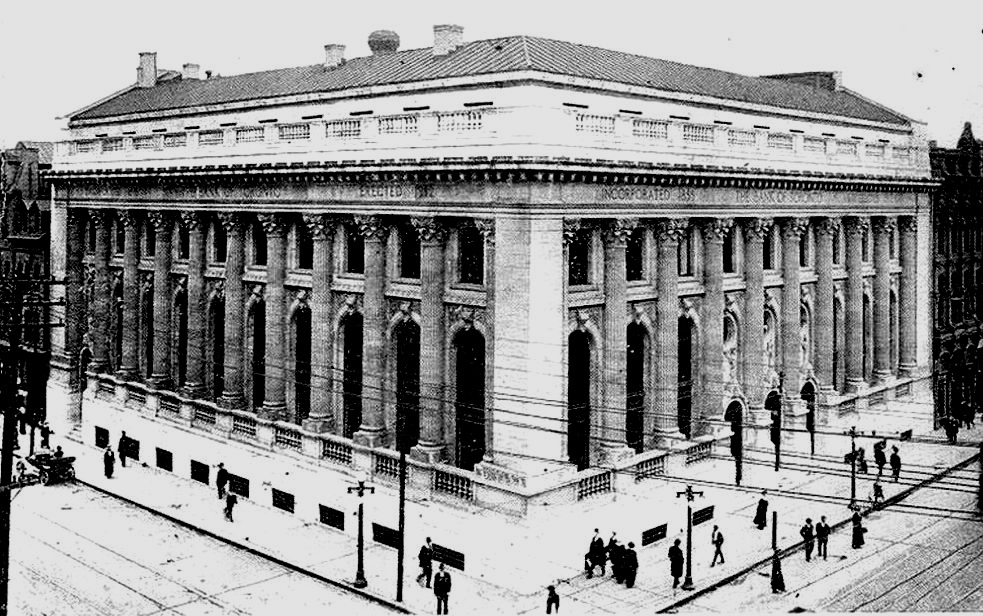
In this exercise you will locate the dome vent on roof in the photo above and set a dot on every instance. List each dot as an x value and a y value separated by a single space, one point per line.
383 42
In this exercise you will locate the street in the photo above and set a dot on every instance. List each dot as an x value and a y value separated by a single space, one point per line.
77 552
910 563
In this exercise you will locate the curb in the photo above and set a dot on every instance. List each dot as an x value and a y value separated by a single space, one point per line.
254 551
782 553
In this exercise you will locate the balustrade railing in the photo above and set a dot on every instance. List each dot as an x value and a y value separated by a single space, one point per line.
385 466
336 452
284 437
243 426
700 451
456 485
593 485
653 467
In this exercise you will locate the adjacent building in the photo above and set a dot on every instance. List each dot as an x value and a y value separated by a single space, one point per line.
549 269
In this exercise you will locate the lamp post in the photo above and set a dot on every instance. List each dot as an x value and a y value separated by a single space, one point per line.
361 489
690 494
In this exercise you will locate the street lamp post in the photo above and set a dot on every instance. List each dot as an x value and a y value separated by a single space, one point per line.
853 466
690 494
361 489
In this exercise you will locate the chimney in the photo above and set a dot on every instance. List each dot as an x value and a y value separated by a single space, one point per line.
447 38
189 71
383 42
334 55
147 71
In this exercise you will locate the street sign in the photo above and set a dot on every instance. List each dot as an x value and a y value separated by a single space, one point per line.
703 515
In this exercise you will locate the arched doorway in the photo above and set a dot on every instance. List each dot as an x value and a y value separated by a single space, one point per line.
684 400
734 415
578 399
773 404
407 336
470 397
259 353
351 382
808 394
181 310
217 326
635 385
302 363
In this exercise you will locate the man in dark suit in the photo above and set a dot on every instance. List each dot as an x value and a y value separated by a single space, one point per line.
808 536
123 448
442 588
630 565
426 563
822 536
676 560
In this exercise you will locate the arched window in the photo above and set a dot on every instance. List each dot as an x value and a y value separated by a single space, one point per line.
354 251
578 257
91 245
578 399
305 246
351 331
471 255
684 375
635 255
767 251
684 260
259 245
220 243
407 336
409 252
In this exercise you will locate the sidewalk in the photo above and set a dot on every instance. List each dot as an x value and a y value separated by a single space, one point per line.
331 554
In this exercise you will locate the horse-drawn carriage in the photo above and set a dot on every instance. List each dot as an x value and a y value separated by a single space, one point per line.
52 469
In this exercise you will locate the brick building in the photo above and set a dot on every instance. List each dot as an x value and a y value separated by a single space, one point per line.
561 266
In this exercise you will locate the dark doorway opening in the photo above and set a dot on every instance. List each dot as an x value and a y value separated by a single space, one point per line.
218 348
181 307
734 415
684 400
470 398
578 400
259 353
352 378
302 363
635 385
808 394
408 384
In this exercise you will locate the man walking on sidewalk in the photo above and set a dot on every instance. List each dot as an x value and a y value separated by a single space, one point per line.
230 502
895 463
552 600
122 447
808 536
676 560
880 458
717 539
426 563
442 588
822 537
221 480
761 515
630 565
108 462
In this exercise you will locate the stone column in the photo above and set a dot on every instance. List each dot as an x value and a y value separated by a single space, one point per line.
823 315
907 294
321 417
615 342
432 339
161 371
487 228
372 432
669 232
275 404
792 230
233 395
194 385
102 307
756 232
883 227
131 295
75 308
714 230
854 315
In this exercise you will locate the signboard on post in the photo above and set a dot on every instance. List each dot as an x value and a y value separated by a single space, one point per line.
652 535
702 515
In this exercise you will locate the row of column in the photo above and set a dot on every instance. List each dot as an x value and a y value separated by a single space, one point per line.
374 230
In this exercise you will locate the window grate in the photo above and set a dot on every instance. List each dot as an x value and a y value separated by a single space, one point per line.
343 129
459 121
744 139
176 140
650 129
780 141
250 134
211 137
455 485
138 398
283 500
170 406
695 133
294 132
590 123
397 125
108 145
332 517
594 485
814 144
204 416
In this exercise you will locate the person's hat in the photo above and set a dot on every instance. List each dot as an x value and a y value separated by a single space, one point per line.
631 545
551 588
220 465
808 520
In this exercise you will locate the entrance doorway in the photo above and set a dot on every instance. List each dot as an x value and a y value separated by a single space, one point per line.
808 394
684 400
635 384
578 400
470 398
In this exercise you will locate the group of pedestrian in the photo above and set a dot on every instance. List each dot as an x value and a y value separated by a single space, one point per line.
880 459
624 560
442 581
951 427
813 535
123 448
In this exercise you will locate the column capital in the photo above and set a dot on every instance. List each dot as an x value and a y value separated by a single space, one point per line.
130 218
884 224
430 230
672 229
716 229
320 225
372 227
794 228
231 221
102 216
161 220
856 225
77 215
908 224
486 227
757 228
829 225
619 230
273 224
192 220
571 229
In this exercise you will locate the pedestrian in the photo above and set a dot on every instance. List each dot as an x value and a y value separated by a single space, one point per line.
426 563
613 554
861 460
858 531
595 555
777 579
630 565
230 502
58 452
221 480
45 435
552 600
618 562
895 463
808 536
122 448
676 560
822 537
878 492
880 458
442 589
761 514
717 540
108 462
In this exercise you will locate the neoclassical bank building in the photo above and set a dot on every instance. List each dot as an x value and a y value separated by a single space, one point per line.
548 270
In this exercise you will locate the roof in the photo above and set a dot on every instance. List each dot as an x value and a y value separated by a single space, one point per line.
500 55
45 150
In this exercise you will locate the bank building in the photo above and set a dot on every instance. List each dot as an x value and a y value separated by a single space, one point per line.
560 275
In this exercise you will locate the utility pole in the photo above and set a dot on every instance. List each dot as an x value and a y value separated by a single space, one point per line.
401 552
690 494
360 489
8 380
853 466
777 421
777 579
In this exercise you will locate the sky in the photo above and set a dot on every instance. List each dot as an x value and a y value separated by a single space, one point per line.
923 59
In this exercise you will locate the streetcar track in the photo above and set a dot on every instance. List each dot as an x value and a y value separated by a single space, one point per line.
48 580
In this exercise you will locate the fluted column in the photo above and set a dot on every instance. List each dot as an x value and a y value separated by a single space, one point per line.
756 231
615 332
669 232
826 230
194 385
321 417
131 294
907 297
233 393
163 226
432 237
883 226
854 310
275 404
75 308
102 302
373 431
714 231
487 228
792 230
